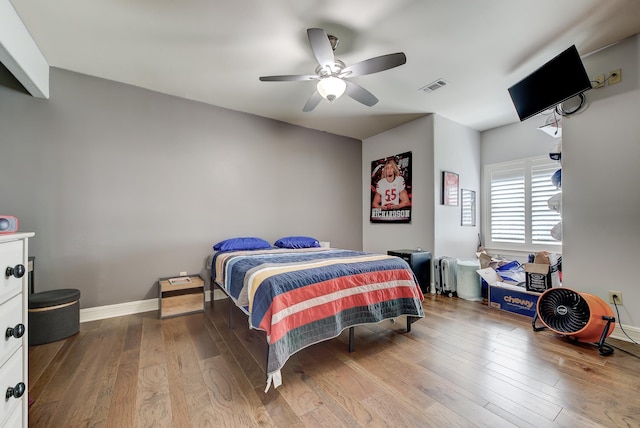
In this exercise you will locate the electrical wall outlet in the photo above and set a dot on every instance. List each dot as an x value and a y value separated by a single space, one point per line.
618 297
615 76
598 82
183 274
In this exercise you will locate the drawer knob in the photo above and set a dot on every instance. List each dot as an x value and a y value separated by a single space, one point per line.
17 271
16 392
17 331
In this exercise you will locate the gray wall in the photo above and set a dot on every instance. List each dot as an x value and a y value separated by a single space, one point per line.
516 141
122 185
600 176
457 149
416 137
601 201
437 144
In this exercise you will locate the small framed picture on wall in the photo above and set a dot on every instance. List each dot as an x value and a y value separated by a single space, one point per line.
468 207
450 188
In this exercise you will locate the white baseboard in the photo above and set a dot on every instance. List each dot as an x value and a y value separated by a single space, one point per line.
118 310
633 332
130 308
218 294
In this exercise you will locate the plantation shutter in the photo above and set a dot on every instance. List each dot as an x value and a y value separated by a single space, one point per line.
542 219
508 215
518 214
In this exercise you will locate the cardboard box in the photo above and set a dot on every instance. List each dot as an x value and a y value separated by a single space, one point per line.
541 277
485 260
508 296
491 276
513 298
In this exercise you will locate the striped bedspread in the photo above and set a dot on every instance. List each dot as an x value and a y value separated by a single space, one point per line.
302 297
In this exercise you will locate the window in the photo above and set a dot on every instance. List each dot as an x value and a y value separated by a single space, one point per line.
517 215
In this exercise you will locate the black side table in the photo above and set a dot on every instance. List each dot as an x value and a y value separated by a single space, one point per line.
420 263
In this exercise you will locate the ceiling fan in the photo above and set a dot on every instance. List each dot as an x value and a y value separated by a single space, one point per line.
331 73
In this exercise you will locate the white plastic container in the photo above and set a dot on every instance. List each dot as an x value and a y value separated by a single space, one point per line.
469 282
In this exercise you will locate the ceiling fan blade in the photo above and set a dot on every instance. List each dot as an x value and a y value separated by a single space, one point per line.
312 102
374 65
360 94
288 77
321 46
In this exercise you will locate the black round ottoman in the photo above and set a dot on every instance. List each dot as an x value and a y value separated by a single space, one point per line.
53 315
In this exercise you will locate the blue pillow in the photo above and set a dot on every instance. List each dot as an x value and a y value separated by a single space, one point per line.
245 243
297 242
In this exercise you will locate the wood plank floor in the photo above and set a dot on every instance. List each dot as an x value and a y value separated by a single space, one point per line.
464 365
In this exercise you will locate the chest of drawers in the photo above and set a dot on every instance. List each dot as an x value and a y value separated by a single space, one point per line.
14 350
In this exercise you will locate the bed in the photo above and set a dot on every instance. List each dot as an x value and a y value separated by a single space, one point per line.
300 297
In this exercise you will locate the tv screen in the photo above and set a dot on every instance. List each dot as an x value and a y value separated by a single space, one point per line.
555 82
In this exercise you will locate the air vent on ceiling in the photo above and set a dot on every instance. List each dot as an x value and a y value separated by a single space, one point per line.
437 84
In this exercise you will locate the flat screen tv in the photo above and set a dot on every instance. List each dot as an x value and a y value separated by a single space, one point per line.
555 82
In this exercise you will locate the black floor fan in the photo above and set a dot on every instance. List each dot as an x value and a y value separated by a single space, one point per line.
581 317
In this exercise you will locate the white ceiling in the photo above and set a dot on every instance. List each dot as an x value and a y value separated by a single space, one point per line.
213 51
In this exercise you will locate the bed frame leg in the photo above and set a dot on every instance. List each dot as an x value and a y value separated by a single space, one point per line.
230 313
410 320
351 339
266 363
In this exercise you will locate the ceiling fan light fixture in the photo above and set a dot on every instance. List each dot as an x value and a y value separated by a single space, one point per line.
332 75
331 88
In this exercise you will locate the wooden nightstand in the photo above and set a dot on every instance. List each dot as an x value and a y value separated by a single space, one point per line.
180 299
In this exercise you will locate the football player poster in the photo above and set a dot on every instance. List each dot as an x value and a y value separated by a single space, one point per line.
391 189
